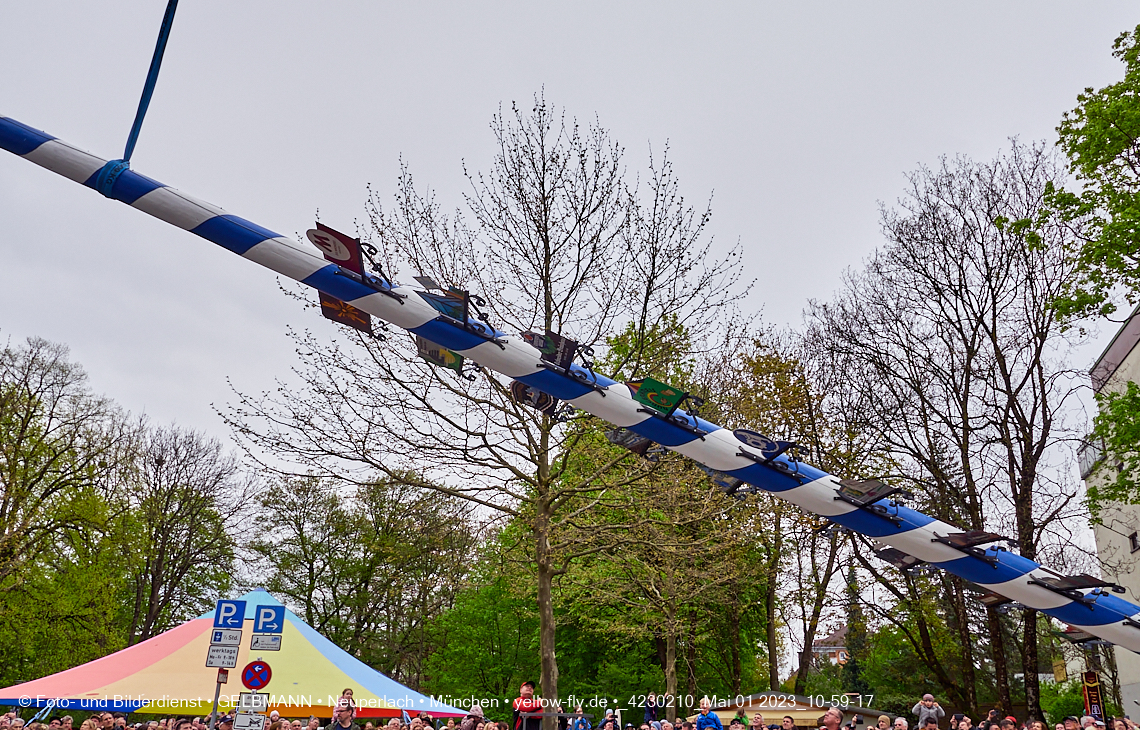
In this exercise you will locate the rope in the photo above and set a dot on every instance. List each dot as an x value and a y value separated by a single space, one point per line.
105 180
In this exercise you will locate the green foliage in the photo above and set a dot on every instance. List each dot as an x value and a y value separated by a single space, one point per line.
1061 699
1117 428
1101 137
369 568
853 678
488 644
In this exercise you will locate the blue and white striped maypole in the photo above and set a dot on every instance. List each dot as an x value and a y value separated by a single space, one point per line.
1096 611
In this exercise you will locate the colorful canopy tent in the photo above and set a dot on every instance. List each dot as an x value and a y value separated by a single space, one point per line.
167 674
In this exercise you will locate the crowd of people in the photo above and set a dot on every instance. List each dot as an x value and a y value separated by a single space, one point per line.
528 712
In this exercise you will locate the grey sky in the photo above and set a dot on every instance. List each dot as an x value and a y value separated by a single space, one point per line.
801 116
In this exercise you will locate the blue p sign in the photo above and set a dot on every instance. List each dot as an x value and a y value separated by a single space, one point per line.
269 620
229 614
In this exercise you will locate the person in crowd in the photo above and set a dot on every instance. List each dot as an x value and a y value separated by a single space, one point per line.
526 702
707 719
736 724
579 721
393 724
1118 723
926 707
1008 723
295 725
1059 726
1071 723
427 721
650 713
787 722
931 724
966 723
54 724
1088 722
181 723
757 722
369 726
666 725
901 724
225 722
832 719
65 722
473 719
883 723
313 723
342 717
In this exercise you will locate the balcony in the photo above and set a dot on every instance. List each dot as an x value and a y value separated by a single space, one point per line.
1089 455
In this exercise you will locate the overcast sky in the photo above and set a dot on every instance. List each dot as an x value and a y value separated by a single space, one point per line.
801 117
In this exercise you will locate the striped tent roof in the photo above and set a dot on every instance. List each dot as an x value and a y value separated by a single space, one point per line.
167 674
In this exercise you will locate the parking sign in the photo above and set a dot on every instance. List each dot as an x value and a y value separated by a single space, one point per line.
269 620
229 615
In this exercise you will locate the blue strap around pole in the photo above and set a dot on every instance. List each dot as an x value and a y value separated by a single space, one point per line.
105 181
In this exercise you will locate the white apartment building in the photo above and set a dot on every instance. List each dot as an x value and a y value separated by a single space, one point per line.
1118 538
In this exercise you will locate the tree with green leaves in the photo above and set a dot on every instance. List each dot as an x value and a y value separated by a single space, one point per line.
1101 138
62 449
370 566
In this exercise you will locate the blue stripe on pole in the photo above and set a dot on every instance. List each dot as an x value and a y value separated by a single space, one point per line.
1106 610
342 287
19 138
555 384
447 335
129 186
1008 567
765 478
234 233
661 431
873 525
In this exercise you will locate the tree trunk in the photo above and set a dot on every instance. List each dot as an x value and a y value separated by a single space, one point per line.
770 606
734 647
691 661
816 611
969 681
671 667
548 672
1029 667
1000 660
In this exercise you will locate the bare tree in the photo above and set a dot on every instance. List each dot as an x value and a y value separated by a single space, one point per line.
950 351
187 499
555 239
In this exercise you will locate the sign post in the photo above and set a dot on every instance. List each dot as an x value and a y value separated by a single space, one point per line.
268 623
229 618
255 676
